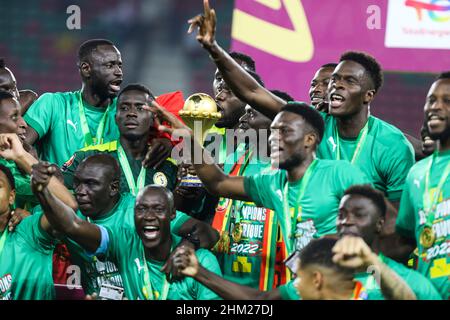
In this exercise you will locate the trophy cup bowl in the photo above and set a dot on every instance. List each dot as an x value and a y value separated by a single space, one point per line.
199 113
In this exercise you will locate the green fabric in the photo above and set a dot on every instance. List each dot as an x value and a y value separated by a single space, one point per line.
288 291
55 117
26 263
165 175
434 262
319 203
125 248
385 158
24 196
421 286
244 262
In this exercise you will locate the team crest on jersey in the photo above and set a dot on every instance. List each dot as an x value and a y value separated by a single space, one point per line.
68 163
160 179
223 204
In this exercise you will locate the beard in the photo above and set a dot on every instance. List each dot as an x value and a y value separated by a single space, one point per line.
295 160
443 135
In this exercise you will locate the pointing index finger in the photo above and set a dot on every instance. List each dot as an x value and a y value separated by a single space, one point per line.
207 9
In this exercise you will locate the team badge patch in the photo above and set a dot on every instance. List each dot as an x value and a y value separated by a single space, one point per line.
160 179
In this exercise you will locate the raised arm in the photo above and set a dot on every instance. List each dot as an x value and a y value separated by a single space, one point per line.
214 179
59 216
353 252
186 261
240 82
11 148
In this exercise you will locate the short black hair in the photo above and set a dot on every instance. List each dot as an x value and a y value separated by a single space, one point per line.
164 190
311 115
2 63
365 190
329 65
283 95
320 252
369 63
443 75
9 176
244 58
137 87
89 46
257 77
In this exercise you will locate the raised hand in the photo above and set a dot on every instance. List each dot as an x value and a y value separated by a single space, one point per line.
11 147
206 25
163 115
353 252
41 173
157 153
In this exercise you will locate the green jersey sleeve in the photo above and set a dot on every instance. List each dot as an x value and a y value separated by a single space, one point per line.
406 220
260 188
209 262
31 232
22 181
395 167
178 221
42 113
288 291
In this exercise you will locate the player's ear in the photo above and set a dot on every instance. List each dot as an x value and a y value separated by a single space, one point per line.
114 187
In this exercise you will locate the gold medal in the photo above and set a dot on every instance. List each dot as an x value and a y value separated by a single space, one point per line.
237 232
427 237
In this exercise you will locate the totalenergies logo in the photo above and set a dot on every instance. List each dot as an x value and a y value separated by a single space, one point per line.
438 10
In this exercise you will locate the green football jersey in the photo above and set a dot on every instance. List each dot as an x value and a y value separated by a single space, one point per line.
251 260
165 175
26 263
385 156
25 198
125 248
421 286
317 209
433 262
56 119
288 291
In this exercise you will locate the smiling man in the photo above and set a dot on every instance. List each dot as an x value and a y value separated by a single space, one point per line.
424 214
130 150
318 90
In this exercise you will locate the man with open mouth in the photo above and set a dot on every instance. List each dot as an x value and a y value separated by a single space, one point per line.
139 251
65 122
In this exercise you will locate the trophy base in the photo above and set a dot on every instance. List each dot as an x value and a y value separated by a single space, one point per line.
191 181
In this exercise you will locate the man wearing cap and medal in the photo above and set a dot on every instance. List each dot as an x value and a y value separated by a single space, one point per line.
424 214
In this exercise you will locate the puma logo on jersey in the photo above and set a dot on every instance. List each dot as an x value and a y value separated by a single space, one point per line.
138 265
331 140
69 122
417 183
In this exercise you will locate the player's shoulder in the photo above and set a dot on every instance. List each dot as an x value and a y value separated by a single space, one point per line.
419 167
59 96
387 133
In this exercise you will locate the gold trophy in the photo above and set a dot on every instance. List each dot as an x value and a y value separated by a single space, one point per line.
199 114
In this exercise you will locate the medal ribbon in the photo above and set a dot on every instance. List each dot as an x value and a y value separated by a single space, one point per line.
428 204
3 239
132 185
147 289
360 142
88 140
288 221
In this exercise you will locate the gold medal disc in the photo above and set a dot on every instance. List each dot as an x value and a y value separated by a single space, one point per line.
427 237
